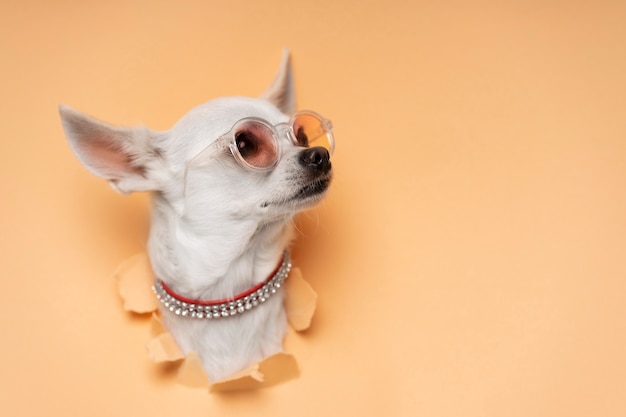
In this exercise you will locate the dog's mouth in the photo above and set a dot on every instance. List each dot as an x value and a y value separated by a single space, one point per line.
306 195
313 189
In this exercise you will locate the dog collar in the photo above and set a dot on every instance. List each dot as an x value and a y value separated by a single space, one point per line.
215 309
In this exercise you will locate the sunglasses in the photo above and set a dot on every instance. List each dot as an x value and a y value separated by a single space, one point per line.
255 143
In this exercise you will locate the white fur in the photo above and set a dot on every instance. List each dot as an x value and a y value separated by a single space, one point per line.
222 230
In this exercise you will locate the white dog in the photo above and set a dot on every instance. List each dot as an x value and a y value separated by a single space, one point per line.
227 180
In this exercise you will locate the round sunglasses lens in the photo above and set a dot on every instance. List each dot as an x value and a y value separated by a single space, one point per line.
310 130
256 145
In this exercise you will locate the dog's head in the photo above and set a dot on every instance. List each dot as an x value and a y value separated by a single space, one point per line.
232 158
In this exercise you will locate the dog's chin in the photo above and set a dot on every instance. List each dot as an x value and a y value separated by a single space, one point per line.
306 196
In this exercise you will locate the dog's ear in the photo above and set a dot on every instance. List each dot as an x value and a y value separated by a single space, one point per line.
281 93
126 157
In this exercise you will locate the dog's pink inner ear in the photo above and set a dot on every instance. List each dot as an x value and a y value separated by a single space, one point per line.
109 157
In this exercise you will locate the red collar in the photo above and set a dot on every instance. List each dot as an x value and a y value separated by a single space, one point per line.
210 309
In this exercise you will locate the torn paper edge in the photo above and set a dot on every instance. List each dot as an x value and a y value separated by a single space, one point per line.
135 280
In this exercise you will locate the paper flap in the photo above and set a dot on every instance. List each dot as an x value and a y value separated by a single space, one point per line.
300 302
191 373
273 370
135 281
163 348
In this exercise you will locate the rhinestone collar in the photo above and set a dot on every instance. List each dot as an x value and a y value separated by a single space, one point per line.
215 309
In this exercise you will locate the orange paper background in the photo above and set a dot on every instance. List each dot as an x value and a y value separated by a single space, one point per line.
470 259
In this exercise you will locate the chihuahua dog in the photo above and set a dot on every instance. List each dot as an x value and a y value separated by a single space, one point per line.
227 180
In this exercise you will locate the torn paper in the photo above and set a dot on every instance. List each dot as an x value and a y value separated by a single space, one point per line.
135 279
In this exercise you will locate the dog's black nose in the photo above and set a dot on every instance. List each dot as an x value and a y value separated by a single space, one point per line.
316 158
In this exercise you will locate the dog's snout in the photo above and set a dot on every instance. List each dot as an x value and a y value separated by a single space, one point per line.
316 158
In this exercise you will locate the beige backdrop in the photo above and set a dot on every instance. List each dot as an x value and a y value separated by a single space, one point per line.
470 259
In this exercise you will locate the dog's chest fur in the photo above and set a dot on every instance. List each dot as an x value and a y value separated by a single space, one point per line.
179 256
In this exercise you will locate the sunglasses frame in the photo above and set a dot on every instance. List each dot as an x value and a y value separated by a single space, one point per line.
229 140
